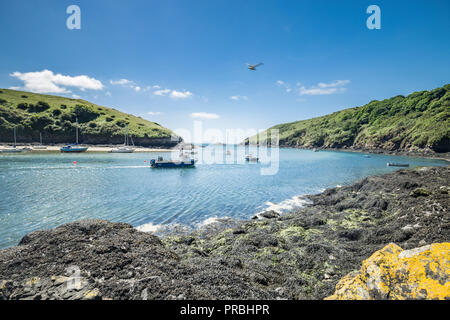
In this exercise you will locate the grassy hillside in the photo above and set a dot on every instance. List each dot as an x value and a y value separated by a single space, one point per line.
55 117
417 122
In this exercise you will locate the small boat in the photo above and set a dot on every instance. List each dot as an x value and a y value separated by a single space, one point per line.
40 147
14 149
125 148
315 150
161 163
391 164
250 158
74 147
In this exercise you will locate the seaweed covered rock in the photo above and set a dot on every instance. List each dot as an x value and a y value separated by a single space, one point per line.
394 273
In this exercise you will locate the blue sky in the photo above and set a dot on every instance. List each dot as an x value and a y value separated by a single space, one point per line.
188 57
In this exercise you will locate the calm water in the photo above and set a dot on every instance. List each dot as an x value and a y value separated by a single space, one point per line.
39 191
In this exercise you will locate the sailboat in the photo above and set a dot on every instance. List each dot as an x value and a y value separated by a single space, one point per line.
40 147
74 147
14 149
125 148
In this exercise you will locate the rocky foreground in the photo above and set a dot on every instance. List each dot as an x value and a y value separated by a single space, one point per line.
300 255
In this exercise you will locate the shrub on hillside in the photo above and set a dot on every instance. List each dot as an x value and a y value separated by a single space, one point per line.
85 114
39 107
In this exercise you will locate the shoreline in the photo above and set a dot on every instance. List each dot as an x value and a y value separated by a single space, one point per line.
107 148
417 154
92 148
298 255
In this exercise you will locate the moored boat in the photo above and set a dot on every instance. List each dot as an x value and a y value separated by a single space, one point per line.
250 158
125 148
40 146
14 149
392 164
161 163
74 147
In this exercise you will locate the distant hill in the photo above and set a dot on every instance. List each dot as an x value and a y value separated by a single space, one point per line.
55 117
418 122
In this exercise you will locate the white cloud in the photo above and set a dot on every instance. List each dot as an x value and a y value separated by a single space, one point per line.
46 81
128 84
154 113
108 94
122 82
283 84
156 87
75 96
337 83
180 94
324 88
161 92
174 94
204 115
237 98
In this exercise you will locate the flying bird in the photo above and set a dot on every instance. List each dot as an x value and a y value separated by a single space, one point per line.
253 67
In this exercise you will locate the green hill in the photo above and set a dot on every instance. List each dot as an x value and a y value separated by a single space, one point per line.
418 122
55 117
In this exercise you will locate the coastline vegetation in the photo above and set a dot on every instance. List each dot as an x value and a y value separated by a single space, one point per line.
55 117
419 121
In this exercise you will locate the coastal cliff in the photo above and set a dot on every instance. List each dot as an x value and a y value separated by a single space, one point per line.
418 123
55 118
300 255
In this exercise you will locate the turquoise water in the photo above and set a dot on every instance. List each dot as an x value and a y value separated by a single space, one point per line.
44 190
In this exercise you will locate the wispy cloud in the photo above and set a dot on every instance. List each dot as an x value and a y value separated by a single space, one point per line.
155 89
180 94
154 113
46 81
161 92
324 88
174 94
122 82
237 98
286 87
128 84
204 115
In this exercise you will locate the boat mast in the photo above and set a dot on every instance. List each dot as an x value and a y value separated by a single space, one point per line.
40 137
77 128
14 137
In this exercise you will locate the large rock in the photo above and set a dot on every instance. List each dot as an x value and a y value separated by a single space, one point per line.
97 259
394 273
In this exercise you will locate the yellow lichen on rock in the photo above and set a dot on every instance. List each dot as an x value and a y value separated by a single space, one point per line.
394 273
